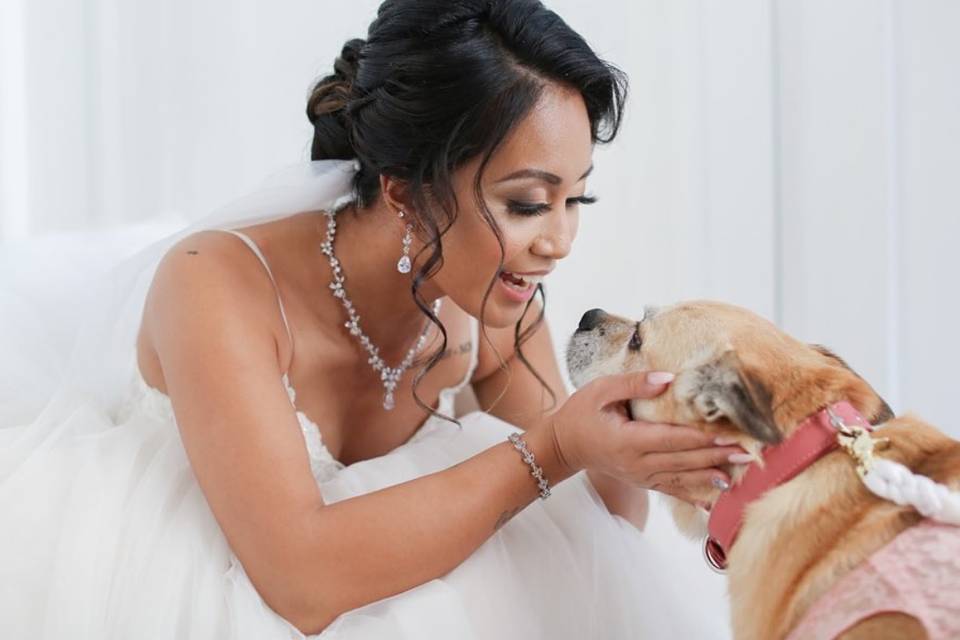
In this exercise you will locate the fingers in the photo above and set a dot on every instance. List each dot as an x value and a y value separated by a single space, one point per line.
635 384
687 483
690 460
654 437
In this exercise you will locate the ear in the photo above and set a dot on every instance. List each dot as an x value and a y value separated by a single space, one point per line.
396 194
883 412
724 388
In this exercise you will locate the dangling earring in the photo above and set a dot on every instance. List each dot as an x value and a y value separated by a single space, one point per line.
403 265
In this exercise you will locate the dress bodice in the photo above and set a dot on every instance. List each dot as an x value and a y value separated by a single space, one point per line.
323 464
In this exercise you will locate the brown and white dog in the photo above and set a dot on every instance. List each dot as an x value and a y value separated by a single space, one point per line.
738 375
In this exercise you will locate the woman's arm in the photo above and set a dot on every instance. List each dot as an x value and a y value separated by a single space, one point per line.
217 344
378 544
525 403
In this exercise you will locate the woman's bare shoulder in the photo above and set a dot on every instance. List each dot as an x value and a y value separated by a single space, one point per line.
200 273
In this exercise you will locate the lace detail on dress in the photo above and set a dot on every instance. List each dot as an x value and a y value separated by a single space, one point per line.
146 399
917 573
322 463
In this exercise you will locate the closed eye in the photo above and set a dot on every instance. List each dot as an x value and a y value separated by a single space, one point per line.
539 208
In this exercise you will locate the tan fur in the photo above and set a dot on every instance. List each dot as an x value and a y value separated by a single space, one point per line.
886 626
801 537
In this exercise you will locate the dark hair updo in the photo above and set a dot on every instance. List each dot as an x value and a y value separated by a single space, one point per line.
437 83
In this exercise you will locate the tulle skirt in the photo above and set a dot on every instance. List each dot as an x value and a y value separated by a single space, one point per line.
106 534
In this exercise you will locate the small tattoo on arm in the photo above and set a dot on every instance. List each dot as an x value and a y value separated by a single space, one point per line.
192 252
463 348
505 516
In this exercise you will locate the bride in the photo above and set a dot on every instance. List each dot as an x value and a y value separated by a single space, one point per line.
255 437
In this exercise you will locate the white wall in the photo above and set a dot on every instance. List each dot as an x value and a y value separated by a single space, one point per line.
798 158
795 157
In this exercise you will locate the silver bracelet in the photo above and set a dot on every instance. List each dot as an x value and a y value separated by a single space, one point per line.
536 472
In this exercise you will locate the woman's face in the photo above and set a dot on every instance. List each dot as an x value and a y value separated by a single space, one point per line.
533 186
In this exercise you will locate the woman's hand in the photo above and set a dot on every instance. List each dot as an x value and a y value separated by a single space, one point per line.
593 431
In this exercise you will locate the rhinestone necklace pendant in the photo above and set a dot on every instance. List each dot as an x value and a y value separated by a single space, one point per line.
389 376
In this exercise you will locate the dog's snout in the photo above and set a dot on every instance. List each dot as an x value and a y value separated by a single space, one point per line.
591 319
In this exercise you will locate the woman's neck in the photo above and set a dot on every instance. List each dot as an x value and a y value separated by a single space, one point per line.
367 244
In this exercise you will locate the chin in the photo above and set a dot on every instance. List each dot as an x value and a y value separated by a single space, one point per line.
498 317
499 313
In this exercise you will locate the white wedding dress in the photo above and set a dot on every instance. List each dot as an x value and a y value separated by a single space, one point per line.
105 533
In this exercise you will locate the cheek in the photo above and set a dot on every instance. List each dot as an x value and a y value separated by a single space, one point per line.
472 254
516 234
515 243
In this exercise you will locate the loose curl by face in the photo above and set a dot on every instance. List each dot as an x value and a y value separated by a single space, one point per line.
438 83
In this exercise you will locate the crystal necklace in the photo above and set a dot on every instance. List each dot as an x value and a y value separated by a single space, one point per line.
389 376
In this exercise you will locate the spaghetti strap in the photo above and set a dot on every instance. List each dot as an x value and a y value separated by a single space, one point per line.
253 247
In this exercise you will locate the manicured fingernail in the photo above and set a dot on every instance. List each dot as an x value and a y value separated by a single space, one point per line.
660 377
740 458
721 484
723 441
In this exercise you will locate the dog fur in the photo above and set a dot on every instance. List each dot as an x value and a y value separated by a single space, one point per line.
738 375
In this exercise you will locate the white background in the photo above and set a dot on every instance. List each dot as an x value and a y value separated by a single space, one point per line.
796 157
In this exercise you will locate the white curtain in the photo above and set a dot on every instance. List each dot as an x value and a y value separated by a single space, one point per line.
796 157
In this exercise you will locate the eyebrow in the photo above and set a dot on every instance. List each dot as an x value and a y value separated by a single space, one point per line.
546 176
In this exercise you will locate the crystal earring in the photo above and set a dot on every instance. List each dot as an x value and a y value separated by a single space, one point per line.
403 265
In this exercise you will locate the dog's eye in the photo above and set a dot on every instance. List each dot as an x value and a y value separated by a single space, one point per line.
635 340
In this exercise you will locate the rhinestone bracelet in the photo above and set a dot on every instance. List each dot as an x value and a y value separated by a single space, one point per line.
537 471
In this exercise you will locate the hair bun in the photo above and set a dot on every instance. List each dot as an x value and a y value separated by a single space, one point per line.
346 65
331 94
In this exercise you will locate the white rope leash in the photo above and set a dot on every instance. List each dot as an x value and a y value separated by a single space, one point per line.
893 481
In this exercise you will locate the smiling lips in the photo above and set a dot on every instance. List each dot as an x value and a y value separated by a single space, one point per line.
520 283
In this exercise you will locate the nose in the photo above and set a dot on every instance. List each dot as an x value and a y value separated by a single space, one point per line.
556 242
591 319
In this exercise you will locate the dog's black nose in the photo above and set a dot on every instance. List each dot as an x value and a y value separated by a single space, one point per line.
591 319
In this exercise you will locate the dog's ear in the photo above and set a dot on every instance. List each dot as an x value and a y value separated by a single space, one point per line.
723 388
883 412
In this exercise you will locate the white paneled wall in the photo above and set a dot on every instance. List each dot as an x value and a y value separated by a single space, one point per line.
795 157
928 206
798 158
836 162
869 170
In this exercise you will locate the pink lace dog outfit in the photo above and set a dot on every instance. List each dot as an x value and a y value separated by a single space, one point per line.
917 573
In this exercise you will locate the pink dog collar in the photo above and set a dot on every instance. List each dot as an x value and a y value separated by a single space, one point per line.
815 436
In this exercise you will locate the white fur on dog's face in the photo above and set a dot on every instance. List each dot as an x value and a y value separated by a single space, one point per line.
591 354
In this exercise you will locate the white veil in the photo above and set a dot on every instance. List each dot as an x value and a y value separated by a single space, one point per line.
98 369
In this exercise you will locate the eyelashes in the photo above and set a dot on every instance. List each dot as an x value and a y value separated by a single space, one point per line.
539 208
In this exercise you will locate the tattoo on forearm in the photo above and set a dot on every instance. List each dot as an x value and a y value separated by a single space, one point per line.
505 516
193 253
